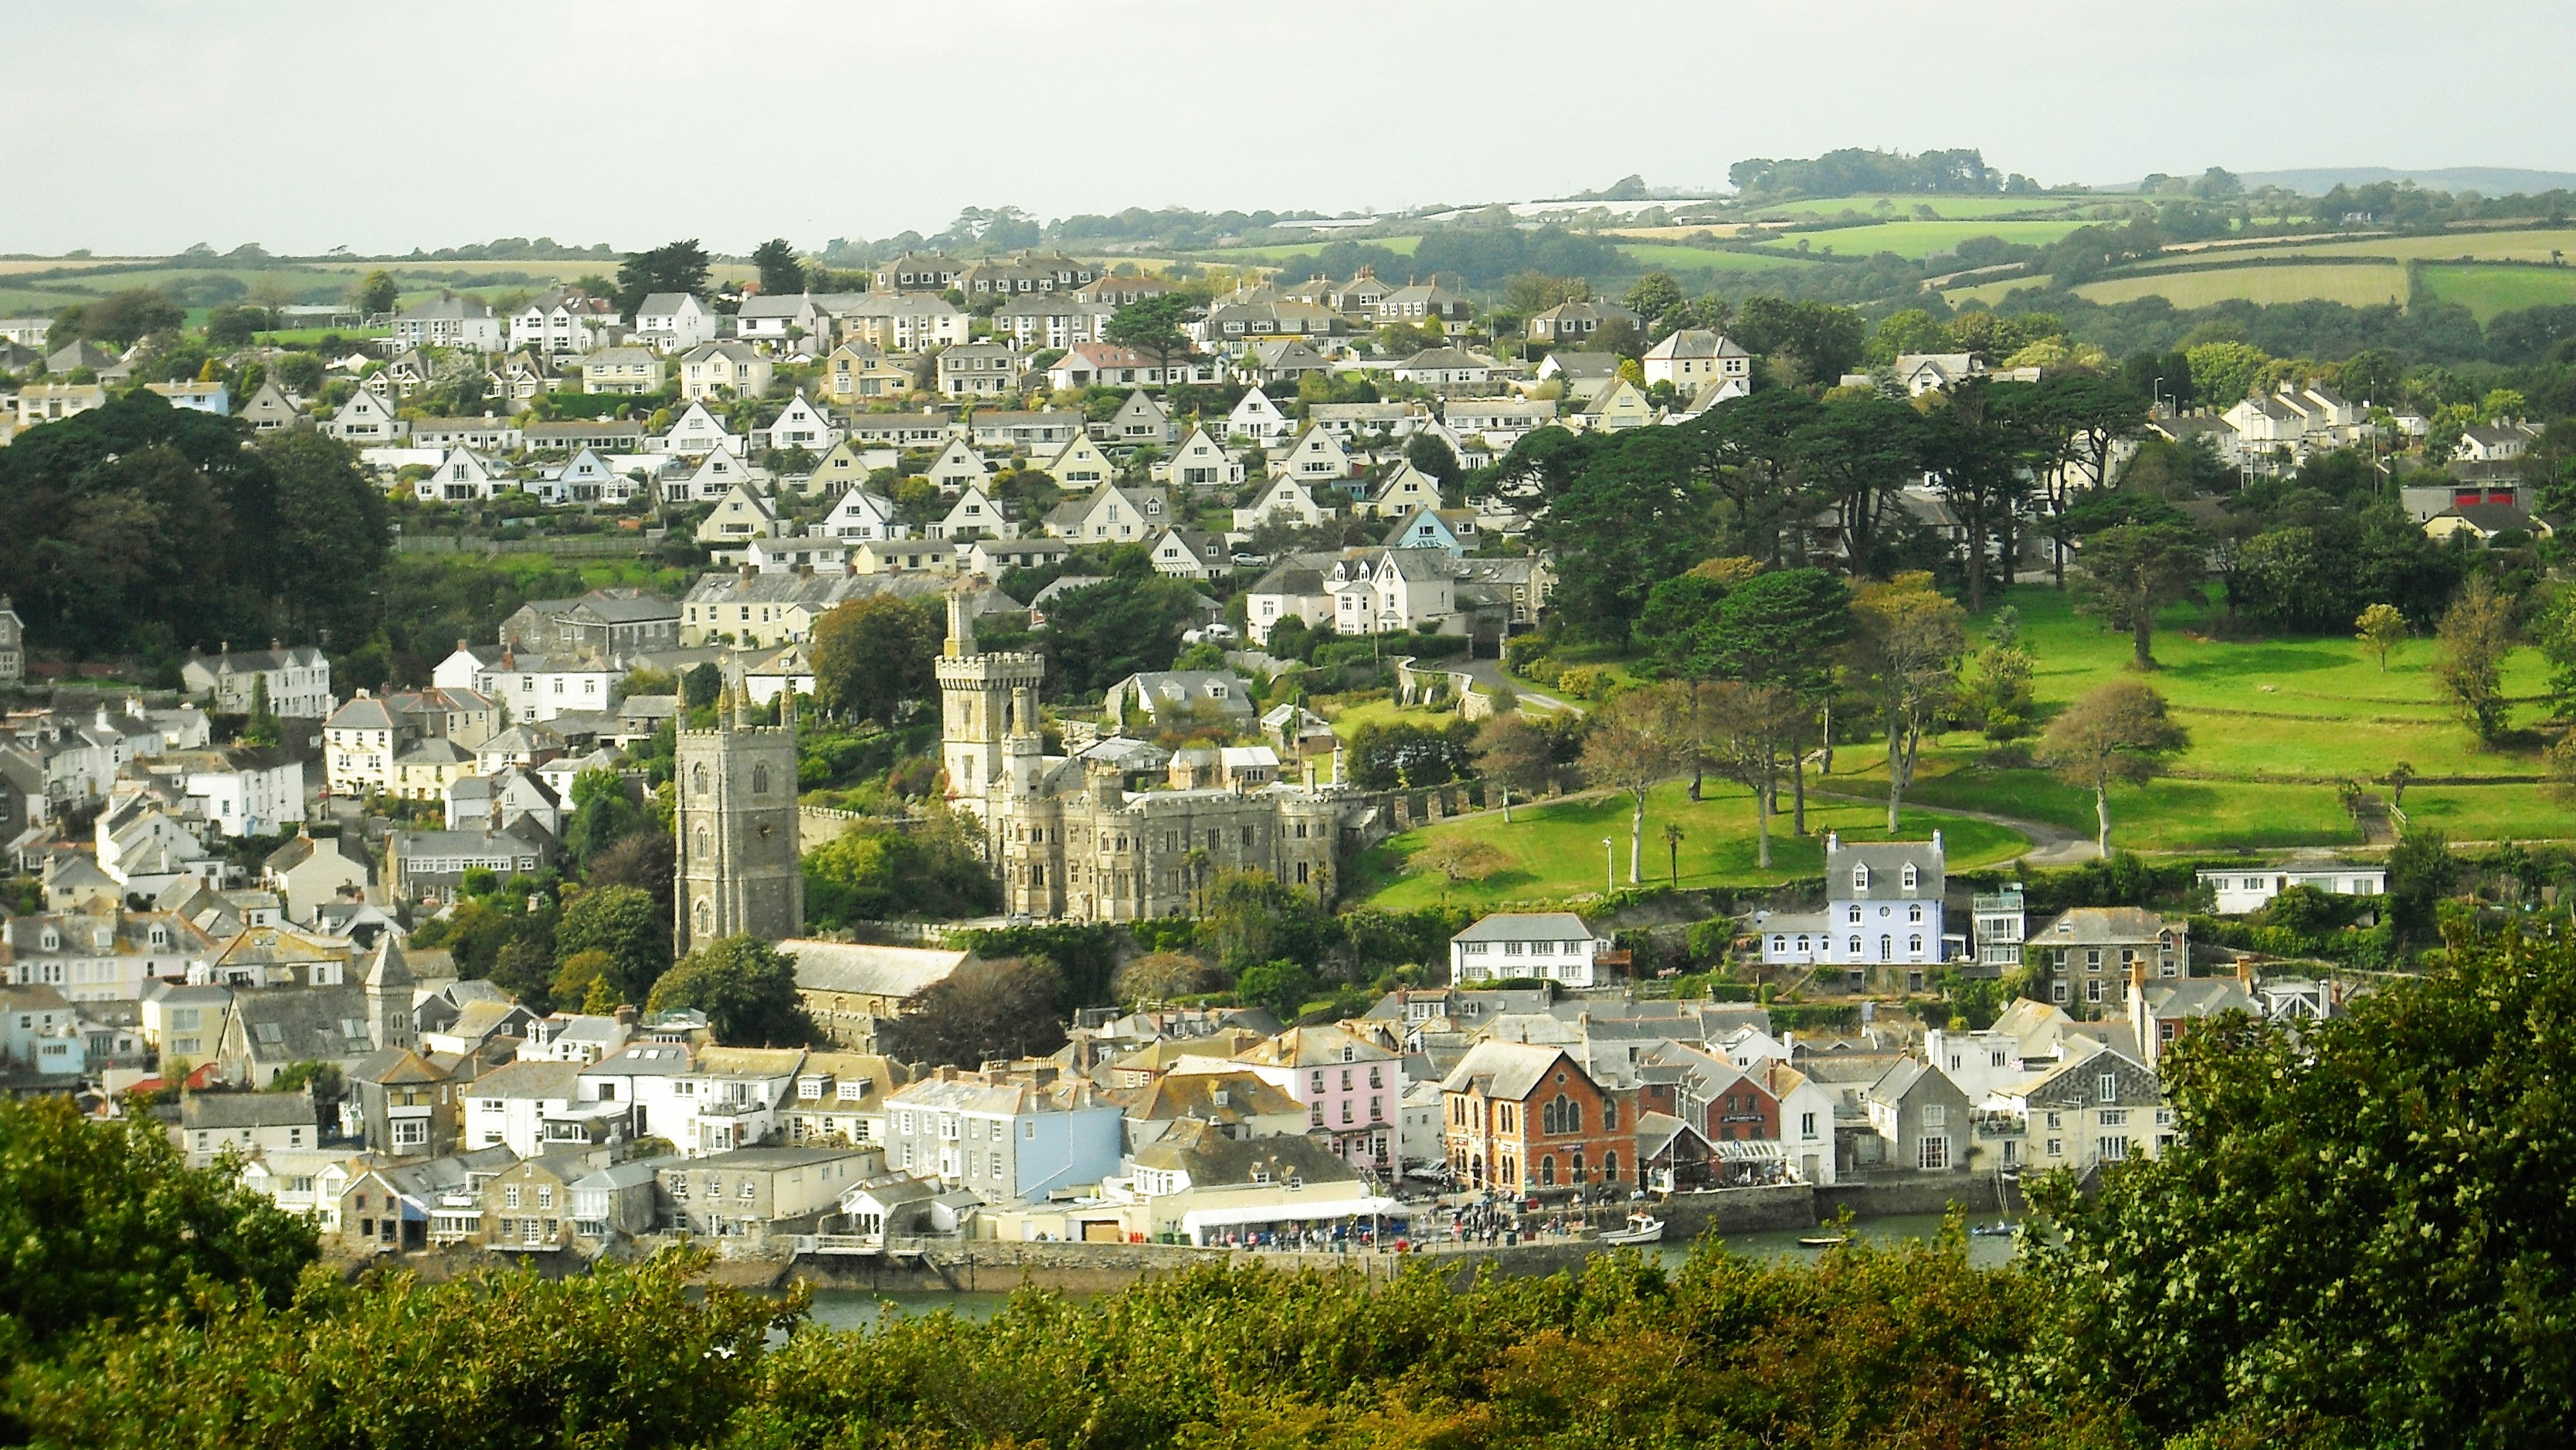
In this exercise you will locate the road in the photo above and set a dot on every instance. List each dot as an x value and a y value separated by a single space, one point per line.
1489 673
2049 845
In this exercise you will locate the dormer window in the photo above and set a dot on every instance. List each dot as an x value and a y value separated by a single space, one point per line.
1909 877
1860 878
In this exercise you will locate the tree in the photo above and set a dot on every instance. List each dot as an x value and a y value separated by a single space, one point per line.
875 652
1281 987
1905 651
1159 976
261 726
105 1221
1984 449
2382 629
124 317
1432 457
1749 729
1152 326
624 924
1680 628
2554 630
1513 757
1624 512
671 267
987 1010
1627 753
1101 634
1673 834
2113 732
331 536
2131 571
781 274
880 871
1654 295
1459 857
747 988
2468 663
603 814
1782 629
1857 453
1250 917
2314 1260
375 294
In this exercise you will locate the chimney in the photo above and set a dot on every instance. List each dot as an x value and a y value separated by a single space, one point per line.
1833 841
947 1073
1936 840
2245 971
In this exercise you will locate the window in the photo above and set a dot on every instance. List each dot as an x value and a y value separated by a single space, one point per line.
510 1196
1807 1125
2108 1085
1932 1152
2111 1148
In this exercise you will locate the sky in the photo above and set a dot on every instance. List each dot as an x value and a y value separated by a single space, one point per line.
304 126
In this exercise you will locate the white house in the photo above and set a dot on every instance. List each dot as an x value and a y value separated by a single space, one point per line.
724 369
1199 462
1380 590
958 466
1315 457
801 425
367 421
540 687
1694 357
1554 946
1285 499
450 321
863 515
2242 889
462 475
1883 905
1259 419
696 433
674 322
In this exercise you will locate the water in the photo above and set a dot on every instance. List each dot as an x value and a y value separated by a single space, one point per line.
861 1309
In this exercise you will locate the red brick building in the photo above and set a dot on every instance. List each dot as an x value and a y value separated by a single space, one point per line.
1523 1118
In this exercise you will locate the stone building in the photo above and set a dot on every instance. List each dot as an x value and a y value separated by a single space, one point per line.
738 869
1075 836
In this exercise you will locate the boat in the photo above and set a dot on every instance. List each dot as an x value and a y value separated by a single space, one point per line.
1641 1229
1821 1242
1997 1230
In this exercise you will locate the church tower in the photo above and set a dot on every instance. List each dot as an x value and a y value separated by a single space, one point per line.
388 984
738 868
977 692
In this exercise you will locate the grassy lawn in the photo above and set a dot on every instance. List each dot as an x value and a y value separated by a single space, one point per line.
2274 724
2353 286
1553 851
1921 239
2487 291
1993 293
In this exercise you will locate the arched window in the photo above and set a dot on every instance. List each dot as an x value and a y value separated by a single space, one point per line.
698 778
702 848
760 780
1855 948
1610 1167
1609 1115
1547 1171
1886 948
706 918
1909 876
1860 878
1578 1167
1914 945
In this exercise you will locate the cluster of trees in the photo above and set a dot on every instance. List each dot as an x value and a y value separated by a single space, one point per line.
2352 1240
1854 171
1627 511
139 528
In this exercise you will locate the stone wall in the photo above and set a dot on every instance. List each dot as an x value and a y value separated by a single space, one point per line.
1975 1193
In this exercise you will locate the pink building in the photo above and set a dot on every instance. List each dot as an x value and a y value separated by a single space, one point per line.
1351 1088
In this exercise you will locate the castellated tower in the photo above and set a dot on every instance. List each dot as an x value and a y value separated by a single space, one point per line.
738 868
982 698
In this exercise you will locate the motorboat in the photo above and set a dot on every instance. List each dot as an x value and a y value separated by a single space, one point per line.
1822 1241
1996 1230
1641 1229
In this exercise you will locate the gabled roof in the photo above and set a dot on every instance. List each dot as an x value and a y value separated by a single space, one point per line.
867 970
1507 1070
1527 926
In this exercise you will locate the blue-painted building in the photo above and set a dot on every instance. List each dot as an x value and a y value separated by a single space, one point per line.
1882 908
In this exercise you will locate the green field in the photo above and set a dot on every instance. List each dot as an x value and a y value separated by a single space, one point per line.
1921 239
1954 208
1552 851
2274 724
2487 291
2528 245
2362 286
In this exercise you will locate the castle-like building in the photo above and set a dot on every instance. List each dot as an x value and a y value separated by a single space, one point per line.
735 819
1117 830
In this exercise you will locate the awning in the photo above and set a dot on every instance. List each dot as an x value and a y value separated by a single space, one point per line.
1306 1210
1746 1150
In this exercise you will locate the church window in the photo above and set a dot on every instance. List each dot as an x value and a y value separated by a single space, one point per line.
760 780
698 779
706 919
703 851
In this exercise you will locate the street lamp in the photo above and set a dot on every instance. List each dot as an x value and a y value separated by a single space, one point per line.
1609 867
